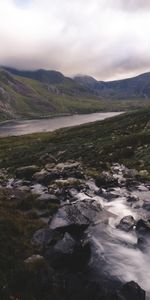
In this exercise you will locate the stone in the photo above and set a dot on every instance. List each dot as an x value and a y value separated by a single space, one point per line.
47 198
34 258
132 198
43 237
45 177
69 254
130 291
126 223
27 171
143 227
86 212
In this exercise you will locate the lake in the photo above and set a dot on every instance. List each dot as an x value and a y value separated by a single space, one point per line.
20 127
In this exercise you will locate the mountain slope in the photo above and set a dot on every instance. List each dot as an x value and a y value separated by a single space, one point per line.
42 93
26 97
133 88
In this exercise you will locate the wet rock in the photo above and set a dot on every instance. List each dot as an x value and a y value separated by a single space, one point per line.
43 237
66 245
85 212
143 227
142 188
146 205
27 171
130 291
68 253
143 243
132 198
106 179
127 223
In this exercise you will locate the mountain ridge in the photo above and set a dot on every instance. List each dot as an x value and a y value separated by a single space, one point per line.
44 93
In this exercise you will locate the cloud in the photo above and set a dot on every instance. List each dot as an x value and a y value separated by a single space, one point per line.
107 39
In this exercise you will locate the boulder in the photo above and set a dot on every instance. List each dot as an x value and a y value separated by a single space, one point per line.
46 198
143 227
85 212
132 198
146 205
27 171
70 169
69 254
43 237
45 177
127 223
130 291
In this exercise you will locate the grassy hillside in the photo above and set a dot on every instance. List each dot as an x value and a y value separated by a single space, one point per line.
124 139
26 94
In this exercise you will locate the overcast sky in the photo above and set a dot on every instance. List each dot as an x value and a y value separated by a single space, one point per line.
107 39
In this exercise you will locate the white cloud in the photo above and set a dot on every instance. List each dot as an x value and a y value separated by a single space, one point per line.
103 38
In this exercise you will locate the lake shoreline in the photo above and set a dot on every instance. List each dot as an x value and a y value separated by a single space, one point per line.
16 127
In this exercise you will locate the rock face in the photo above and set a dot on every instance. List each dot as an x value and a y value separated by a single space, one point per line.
127 223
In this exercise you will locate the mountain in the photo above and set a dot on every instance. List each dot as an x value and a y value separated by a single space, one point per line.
132 88
43 93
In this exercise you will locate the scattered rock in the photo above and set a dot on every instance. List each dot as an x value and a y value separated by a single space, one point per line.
34 258
27 171
127 223
143 173
45 177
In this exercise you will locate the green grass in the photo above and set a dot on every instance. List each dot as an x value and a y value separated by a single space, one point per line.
124 139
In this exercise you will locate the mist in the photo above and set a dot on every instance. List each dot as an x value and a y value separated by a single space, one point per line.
101 38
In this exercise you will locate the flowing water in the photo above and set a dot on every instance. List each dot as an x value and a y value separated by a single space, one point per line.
115 251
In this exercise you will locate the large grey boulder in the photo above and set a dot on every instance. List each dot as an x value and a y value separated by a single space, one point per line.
82 213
